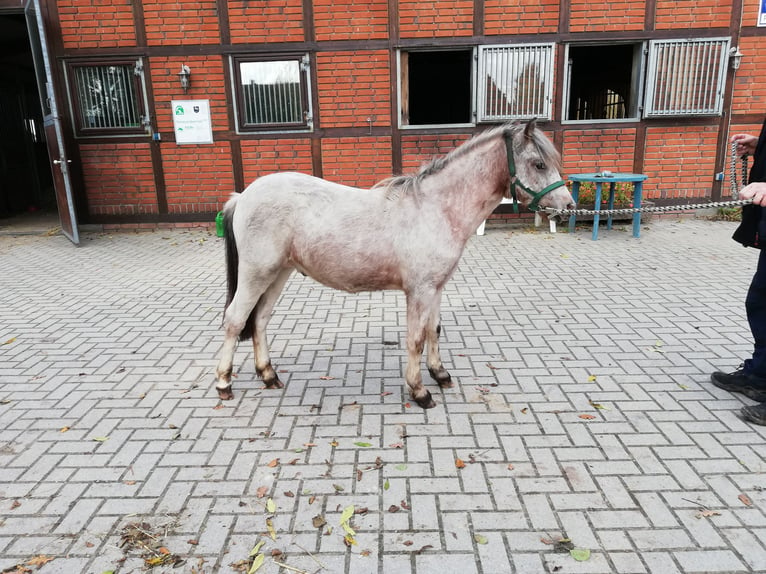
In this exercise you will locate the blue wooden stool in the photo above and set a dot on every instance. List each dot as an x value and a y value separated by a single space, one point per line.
612 179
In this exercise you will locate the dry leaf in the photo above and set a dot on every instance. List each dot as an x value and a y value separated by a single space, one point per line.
365 553
270 528
327 378
15 504
312 499
39 560
273 463
9 341
459 463
480 539
261 492
318 521
308 444
396 445
289 494
386 393
745 499
271 507
218 407
408 543
394 508
587 417
707 513
64 429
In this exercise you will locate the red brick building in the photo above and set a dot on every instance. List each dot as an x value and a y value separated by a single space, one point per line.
355 91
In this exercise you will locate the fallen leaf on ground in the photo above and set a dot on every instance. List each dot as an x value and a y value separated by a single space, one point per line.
580 554
363 444
394 508
510 467
289 494
101 438
327 378
318 521
271 506
745 499
270 528
707 513
273 463
257 563
408 543
480 539
261 492
9 341
39 560
587 417
459 463
386 485
64 429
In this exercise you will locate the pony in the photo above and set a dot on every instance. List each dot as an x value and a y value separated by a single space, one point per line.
407 233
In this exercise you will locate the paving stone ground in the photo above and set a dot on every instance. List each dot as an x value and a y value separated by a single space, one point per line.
582 411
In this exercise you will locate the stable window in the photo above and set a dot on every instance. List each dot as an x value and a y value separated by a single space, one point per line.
107 98
686 77
273 93
436 87
515 82
602 82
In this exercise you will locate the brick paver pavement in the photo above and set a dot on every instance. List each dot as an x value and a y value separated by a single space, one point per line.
582 413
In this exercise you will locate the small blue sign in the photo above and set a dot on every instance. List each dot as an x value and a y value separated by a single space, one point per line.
762 14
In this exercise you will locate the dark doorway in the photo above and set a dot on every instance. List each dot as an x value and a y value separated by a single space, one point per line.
26 183
438 85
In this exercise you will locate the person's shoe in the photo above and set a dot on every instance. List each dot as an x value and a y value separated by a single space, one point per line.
755 414
751 386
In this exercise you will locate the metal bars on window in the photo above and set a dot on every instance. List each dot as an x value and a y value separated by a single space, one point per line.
515 82
106 97
273 94
686 77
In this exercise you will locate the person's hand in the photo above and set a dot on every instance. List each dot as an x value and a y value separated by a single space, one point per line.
756 191
745 144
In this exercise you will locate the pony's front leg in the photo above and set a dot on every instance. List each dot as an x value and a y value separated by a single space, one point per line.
435 366
418 314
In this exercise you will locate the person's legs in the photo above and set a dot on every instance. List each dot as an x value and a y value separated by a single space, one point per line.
750 380
755 305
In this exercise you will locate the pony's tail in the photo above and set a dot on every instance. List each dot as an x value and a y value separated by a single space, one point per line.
232 264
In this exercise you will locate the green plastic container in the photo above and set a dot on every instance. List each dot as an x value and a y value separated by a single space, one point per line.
219 224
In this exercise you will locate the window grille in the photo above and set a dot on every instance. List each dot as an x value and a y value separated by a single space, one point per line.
686 77
515 82
107 98
272 93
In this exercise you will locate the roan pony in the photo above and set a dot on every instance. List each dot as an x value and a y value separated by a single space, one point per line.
406 233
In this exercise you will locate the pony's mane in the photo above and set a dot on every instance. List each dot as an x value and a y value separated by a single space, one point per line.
406 183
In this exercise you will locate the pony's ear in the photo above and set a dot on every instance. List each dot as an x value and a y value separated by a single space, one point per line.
529 130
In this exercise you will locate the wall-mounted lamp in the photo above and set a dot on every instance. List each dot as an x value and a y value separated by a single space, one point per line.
185 77
736 57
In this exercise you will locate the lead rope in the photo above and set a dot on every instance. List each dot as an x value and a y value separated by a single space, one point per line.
734 203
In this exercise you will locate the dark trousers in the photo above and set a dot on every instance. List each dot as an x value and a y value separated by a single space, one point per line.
755 305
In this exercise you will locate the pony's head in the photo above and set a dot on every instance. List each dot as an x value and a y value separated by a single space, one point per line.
534 165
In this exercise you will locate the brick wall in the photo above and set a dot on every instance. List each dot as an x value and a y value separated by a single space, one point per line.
181 23
273 21
680 162
674 14
268 156
523 17
110 23
606 16
361 162
119 178
446 18
198 178
353 87
350 19
749 88
589 151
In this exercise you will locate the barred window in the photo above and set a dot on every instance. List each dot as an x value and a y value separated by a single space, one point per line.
107 97
686 77
515 82
272 94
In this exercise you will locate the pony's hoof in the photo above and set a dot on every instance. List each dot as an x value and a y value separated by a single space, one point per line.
442 377
426 401
225 394
274 383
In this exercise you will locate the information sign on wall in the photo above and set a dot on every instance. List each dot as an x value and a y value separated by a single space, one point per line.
762 13
191 121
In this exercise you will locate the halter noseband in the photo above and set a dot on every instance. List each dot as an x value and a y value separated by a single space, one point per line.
536 196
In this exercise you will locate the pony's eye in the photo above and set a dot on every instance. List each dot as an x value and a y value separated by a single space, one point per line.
540 165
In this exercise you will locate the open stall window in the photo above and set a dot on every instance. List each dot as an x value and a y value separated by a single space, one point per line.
272 93
436 87
107 97
603 81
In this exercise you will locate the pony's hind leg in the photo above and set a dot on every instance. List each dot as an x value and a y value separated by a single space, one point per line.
435 366
418 314
249 291
263 310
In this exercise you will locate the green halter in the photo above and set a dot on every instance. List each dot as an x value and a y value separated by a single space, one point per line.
536 197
